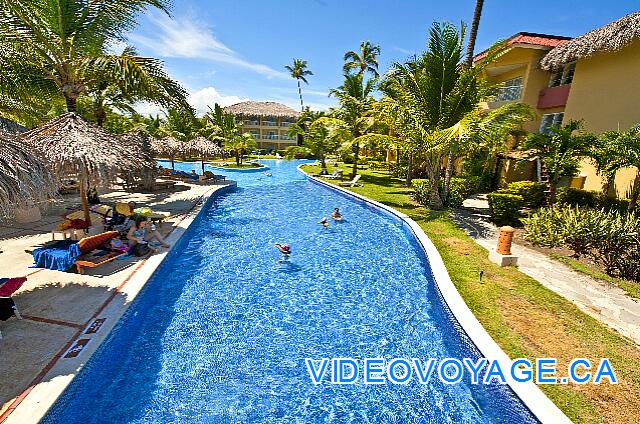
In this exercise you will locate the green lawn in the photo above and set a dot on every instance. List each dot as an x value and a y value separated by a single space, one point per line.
523 317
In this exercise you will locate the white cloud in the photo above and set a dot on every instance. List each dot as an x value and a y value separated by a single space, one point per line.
208 96
187 38
199 99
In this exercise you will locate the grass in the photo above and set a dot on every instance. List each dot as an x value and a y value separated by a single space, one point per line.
526 319
632 289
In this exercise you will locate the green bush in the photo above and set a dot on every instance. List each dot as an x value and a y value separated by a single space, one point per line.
459 188
298 152
610 238
531 191
577 197
505 208
421 190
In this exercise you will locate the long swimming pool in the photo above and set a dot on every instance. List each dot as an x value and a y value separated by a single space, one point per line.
220 332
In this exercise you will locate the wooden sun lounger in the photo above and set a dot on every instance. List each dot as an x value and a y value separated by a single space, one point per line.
93 260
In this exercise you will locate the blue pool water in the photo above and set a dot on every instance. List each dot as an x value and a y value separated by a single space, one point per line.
220 333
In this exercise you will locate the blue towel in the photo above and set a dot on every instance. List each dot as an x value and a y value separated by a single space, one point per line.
60 256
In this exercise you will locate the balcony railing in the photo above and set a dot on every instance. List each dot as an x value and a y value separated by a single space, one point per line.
286 124
553 96
270 136
270 123
250 122
286 137
508 93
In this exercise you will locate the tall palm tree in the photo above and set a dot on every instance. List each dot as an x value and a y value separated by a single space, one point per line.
354 96
365 61
299 71
53 49
475 23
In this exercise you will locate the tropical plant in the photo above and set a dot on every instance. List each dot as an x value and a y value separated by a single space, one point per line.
607 158
560 150
324 136
50 50
364 61
240 145
299 71
356 101
218 125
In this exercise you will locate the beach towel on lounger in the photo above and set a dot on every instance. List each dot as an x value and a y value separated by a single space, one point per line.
59 256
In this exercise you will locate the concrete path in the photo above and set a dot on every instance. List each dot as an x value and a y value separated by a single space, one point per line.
605 302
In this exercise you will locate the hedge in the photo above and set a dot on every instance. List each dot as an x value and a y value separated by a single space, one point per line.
532 192
505 208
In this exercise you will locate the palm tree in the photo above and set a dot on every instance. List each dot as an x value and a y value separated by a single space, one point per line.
149 82
59 49
299 71
365 61
240 145
222 125
354 96
560 150
475 23
321 135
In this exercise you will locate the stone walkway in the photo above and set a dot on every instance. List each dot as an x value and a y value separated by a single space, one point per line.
603 301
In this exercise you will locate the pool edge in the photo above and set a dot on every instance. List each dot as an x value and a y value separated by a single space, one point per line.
530 394
37 399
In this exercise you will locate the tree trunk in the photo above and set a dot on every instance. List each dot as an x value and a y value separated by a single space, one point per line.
356 150
300 94
237 158
101 116
173 164
72 103
635 192
552 192
495 178
409 164
447 177
398 156
323 166
435 201
468 62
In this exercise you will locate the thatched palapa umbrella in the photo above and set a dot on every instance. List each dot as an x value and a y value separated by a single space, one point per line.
204 148
77 147
142 143
168 147
25 175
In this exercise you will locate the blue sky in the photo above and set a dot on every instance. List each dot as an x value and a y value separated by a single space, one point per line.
231 50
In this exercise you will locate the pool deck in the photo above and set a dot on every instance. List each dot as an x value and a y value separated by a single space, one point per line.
66 315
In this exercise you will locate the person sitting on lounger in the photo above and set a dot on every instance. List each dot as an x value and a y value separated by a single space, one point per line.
140 234
336 215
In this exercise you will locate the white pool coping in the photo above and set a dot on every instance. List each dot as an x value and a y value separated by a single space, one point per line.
529 393
44 394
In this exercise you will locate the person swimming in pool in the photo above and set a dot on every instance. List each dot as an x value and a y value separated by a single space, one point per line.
285 249
324 222
336 215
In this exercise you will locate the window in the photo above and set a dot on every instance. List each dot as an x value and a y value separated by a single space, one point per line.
510 90
550 120
565 76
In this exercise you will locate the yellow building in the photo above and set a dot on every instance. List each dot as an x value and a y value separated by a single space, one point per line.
593 77
269 123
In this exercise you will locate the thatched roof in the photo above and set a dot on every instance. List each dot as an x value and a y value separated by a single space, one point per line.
262 109
202 147
77 147
142 143
608 38
24 174
168 146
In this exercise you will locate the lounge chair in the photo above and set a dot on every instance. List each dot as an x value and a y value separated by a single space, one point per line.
211 176
63 255
351 183
105 211
335 175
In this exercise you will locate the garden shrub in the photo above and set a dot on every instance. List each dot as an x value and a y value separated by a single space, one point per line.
505 208
577 197
531 191
459 188
421 190
610 238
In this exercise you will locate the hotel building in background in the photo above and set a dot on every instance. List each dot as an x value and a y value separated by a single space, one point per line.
269 123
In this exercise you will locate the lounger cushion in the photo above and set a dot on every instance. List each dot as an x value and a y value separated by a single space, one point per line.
9 285
88 244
